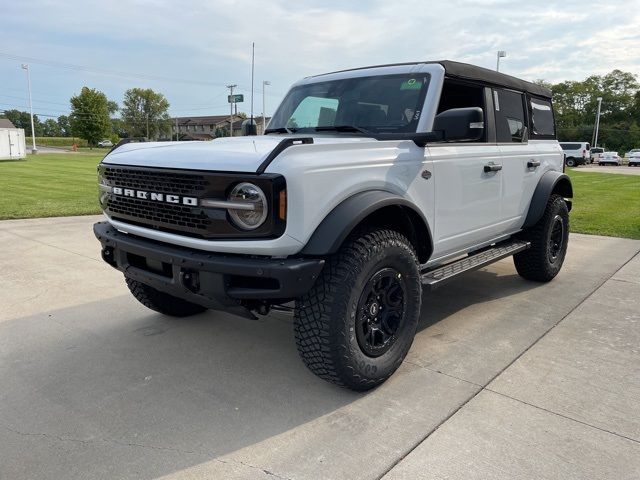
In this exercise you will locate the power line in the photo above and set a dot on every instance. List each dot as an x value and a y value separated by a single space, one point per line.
113 73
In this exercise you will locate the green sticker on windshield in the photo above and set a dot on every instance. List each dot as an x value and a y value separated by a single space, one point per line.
411 84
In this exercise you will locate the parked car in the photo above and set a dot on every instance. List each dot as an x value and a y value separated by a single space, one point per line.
576 153
634 157
105 144
595 153
609 158
368 185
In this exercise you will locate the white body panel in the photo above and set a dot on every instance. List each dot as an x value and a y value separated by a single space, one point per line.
467 200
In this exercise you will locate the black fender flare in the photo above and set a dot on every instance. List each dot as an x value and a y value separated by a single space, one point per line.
551 182
330 234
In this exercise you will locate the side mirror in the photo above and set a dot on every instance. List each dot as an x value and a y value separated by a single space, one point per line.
460 124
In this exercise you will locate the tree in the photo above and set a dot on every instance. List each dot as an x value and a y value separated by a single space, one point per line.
50 128
90 116
575 104
64 126
144 113
118 128
22 119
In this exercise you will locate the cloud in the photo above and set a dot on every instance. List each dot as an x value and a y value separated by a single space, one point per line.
212 40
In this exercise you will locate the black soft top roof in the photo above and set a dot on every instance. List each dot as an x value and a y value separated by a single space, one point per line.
472 72
466 71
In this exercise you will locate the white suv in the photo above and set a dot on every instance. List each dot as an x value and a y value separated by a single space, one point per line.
369 185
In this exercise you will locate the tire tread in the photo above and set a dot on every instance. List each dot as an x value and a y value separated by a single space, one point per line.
324 349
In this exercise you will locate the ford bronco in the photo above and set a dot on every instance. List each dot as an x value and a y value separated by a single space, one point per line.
369 185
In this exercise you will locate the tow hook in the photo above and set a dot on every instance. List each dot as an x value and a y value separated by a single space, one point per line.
108 256
189 280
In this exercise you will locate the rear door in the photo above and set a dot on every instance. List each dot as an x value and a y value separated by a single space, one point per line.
521 161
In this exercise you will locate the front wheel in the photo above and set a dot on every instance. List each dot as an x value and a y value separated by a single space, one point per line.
549 239
357 323
571 162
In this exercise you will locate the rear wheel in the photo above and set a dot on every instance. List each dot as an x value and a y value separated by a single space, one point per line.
162 302
549 239
355 326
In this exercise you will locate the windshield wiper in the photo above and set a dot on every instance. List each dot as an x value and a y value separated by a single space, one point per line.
342 128
280 130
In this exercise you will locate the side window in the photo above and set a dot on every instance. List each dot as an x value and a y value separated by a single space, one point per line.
510 119
462 95
542 123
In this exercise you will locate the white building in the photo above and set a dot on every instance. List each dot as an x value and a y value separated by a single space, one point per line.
12 141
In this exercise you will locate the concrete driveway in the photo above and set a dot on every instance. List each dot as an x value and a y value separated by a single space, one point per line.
506 378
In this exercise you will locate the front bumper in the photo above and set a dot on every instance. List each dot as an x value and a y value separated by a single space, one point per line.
216 281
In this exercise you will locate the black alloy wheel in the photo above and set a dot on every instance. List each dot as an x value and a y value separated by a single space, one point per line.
556 238
381 312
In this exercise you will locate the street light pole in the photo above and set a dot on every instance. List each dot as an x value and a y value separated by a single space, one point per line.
501 54
25 66
264 106
231 87
595 134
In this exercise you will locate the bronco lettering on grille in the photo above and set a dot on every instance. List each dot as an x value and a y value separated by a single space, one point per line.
155 196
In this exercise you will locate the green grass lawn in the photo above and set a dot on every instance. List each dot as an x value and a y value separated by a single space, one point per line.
49 185
605 204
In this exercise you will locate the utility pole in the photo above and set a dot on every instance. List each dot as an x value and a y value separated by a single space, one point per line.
231 87
264 106
253 61
177 131
597 127
25 66
501 54
147 127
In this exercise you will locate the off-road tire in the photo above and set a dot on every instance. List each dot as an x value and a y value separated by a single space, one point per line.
326 318
162 302
538 262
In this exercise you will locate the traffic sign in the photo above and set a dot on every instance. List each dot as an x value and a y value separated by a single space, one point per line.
235 98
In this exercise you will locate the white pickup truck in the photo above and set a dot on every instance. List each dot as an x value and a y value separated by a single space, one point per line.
369 185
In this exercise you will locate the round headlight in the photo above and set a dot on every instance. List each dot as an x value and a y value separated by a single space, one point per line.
254 211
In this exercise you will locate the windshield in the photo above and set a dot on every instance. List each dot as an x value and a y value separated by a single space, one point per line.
386 103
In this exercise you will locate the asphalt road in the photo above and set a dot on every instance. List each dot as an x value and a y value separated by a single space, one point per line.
506 378
622 169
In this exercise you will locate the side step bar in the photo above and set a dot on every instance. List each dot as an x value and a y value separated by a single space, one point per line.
436 277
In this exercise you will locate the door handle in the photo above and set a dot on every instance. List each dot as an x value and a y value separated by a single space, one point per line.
492 167
533 164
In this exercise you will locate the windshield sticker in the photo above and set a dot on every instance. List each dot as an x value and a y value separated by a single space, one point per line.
411 84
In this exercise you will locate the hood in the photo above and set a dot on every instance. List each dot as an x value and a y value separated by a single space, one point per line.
236 154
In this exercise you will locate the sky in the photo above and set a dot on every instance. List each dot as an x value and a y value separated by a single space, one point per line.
189 51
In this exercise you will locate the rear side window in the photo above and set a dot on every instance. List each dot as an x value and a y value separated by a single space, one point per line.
570 146
510 119
542 123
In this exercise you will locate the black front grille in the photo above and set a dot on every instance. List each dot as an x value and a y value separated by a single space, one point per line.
179 218
155 212
157 181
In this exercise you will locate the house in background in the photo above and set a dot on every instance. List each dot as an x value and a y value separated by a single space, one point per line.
12 141
209 127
